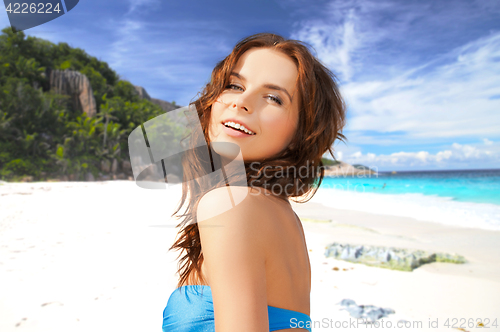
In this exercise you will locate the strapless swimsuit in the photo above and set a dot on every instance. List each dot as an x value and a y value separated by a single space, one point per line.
190 308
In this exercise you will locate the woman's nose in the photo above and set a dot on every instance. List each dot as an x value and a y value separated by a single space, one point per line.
242 102
236 105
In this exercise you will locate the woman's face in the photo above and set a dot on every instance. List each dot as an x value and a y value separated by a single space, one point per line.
263 98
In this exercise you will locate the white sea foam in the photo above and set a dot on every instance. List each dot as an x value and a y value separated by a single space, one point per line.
433 208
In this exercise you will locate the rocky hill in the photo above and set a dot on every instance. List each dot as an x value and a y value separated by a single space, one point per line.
165 105
345 169
76 85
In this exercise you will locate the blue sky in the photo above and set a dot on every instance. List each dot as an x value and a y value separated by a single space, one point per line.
421 78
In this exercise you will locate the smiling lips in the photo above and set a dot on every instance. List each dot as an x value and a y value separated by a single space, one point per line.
236 129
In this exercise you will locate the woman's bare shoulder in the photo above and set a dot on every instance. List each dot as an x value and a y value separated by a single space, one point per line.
234 199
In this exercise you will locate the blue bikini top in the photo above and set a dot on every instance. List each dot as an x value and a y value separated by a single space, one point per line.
190 308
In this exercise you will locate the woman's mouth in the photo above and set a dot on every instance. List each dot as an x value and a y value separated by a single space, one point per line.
236 130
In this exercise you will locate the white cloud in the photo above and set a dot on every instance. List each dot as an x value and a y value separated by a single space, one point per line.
487 141
347 33
146 5
335 43
458 156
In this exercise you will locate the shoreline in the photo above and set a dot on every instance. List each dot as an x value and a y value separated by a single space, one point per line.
426 208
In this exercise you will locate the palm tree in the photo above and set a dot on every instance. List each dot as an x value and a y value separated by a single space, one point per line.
84 129
105 113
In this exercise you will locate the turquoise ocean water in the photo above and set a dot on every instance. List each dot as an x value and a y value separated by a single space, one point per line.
476 186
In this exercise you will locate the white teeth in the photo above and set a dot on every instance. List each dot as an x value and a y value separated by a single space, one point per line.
238 126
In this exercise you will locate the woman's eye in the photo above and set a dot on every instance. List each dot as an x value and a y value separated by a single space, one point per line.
275 99
234 87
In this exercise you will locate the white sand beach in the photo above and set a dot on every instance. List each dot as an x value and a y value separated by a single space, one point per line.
93 256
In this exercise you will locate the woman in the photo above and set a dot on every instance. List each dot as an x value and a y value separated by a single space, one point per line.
246 268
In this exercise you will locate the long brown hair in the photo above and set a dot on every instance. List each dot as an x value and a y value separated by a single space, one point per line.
321 120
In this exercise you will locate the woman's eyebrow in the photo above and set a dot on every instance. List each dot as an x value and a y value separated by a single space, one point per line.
268 85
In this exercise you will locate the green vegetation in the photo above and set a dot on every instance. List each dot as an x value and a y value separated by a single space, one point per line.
362 167
388 257
329 162
450 258
45 135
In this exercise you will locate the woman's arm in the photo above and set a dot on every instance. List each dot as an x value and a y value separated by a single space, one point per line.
234 251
